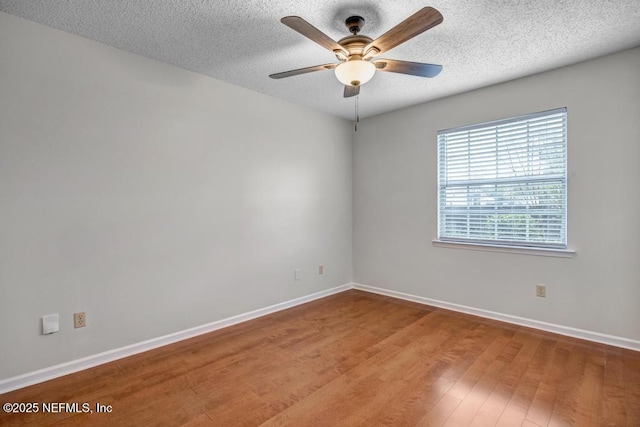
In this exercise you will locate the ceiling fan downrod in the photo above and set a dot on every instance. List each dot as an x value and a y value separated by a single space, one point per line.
354 24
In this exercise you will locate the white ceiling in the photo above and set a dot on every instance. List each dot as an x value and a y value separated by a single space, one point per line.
480 42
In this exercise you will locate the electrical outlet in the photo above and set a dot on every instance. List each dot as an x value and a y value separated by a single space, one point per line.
541 291
296 274
321 269
79 320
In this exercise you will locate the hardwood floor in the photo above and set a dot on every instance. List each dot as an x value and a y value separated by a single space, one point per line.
355 359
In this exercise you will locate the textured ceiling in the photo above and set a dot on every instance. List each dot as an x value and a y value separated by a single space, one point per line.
480 42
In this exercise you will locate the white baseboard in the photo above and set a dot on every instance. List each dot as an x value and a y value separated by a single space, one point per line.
56 371
536 324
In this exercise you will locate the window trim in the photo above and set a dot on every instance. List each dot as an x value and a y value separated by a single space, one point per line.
529 248
522 250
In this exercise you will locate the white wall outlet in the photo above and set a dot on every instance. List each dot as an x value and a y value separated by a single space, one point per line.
321 269
50 324
296 274
541 291
79 320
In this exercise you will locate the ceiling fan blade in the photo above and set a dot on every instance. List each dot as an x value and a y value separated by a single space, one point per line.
303 71
303 27
405 67
350 91
417 23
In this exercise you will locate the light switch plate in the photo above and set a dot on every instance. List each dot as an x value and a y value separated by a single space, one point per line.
50 324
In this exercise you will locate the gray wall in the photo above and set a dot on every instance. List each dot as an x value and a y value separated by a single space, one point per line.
395 202
152 198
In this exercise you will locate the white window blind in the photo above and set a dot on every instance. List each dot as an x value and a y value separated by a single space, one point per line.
505 182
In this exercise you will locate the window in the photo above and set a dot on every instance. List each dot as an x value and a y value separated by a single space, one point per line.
505 182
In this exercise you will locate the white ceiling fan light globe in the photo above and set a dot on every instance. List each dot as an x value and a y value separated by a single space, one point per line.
355 73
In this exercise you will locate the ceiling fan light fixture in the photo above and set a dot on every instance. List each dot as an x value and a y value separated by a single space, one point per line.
355 72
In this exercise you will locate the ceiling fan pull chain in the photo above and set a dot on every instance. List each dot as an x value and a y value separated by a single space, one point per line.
357 118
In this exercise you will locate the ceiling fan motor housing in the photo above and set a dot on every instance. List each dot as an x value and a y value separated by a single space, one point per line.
354 45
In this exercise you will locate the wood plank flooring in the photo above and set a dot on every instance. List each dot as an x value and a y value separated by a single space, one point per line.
355 359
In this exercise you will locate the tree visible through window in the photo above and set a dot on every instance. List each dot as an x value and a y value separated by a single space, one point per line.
505 182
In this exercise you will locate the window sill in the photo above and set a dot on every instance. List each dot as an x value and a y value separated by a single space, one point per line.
558 253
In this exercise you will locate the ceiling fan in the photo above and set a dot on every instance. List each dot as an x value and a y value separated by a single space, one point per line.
357 53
